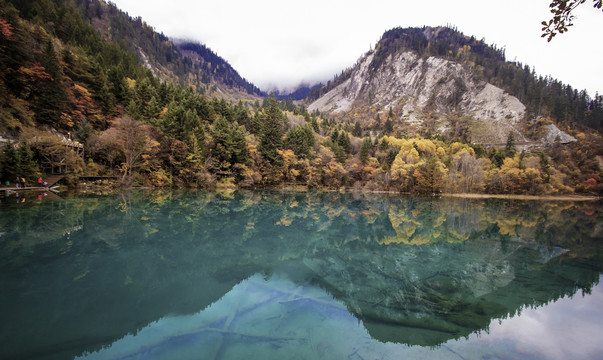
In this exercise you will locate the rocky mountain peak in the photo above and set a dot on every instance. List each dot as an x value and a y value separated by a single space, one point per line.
424 92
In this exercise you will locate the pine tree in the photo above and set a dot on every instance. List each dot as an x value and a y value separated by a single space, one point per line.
50 62
344 142
8 163
271 132
83 131
389 127
315 124
240 153
152 111
300 140
357 130
229 146
335 136
221 149
50 96
27 166
365 150
510 147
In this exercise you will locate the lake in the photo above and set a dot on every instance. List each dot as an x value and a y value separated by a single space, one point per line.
286 275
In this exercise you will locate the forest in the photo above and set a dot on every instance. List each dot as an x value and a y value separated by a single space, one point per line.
62 80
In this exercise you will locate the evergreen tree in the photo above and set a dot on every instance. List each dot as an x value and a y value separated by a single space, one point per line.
229 146
27 166
271 131
106 99
335 136
191 124
118 84
255 125
50 62
389 126
300 140
365 150
315 124
510 147
357 130
49 96
8 163
152 111
344 142
496 157
240 153
134 110
392 152
241 115
83 131
430 176
339 153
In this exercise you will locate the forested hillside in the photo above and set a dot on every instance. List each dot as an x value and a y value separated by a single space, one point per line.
542 96
205 71
64 75
214 70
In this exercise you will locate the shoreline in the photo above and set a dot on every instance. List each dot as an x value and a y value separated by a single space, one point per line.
454 195
526 197
302 188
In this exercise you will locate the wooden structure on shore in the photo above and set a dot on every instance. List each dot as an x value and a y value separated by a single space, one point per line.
54 160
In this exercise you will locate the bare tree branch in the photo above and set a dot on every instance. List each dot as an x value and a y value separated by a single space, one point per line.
563 16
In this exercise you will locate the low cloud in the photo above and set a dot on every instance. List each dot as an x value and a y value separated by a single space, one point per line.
272 43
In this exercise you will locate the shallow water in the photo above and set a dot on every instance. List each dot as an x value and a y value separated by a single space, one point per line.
270 275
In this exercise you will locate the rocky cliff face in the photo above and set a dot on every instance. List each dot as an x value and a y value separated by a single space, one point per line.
418 88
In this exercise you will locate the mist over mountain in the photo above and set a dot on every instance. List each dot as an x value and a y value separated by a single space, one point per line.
299 93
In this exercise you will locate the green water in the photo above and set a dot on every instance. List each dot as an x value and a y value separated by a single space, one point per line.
272 275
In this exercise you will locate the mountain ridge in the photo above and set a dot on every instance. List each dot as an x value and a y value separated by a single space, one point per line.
185 62
422 90
475 62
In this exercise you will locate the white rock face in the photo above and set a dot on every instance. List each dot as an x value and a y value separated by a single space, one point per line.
341 98
416 86
552 132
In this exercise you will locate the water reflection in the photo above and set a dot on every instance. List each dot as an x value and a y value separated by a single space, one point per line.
547 332
275 318
271 318
81 273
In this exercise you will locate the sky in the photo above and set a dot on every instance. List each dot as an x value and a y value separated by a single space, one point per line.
279 44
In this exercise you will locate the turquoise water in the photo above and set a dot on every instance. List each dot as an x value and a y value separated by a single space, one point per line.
271 275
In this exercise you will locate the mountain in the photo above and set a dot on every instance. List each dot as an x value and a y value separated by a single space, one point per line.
186 64
75 64
439 81
183 62
215 70
300 93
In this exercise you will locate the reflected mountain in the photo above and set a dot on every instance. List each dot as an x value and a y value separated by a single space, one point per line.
272 318
81 273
